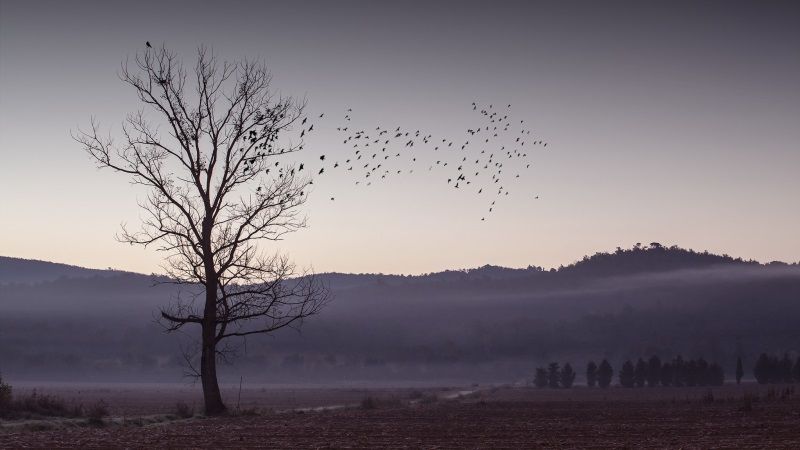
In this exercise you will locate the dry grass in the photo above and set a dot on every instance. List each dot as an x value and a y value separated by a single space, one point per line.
727 417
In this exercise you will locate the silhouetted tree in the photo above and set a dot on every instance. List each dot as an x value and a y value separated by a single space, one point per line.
554 375
567 376
679 370
762 370
690 369
796 370
785 369
702 377
715 376
591 374
640 373
653 371
604 374
739 370
540 380
667 374
215 193
627 375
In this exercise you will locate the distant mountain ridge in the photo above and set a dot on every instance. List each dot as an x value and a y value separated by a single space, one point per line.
636 260
20 270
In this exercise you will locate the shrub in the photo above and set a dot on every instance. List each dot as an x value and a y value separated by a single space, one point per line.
183 411
369 403
97 412
415 395
428 399
5 395
36 404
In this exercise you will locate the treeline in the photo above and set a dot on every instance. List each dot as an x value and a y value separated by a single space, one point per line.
554 376
652 373
771 369
694 372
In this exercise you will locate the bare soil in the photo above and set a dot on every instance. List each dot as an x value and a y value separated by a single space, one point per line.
507 417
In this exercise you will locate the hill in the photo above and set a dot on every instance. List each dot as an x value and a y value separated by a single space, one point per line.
485 323
18 270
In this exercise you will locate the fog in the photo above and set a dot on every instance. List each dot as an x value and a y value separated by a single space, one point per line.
488 324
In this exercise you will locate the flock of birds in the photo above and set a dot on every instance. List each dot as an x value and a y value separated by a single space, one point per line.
492 153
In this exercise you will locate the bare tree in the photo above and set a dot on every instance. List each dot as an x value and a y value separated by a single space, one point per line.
216 188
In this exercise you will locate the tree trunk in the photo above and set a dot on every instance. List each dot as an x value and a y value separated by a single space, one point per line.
208 373
208 357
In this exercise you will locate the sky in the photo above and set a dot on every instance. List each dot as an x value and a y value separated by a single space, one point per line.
674 122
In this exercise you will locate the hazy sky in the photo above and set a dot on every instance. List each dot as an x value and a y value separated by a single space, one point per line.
668 121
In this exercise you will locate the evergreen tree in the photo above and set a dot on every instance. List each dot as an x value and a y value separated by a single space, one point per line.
567 376
604 374
690 371
796 370
774 370
5 395
591 374
785 369
653 371
627 376
702 373
553 375
541 377
679 372
716 376
739 370
762 370
640 373
667 374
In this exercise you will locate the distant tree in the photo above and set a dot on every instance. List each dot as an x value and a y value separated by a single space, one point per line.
667 374
567 376
640 373
653 371
554 375
5 395
540 380
679 371
604 374
762 370
702 374
716 376
796 370
739 370
690 370
785 369
215 197
627 375
591 374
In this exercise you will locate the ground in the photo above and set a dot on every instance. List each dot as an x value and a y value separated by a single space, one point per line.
471 417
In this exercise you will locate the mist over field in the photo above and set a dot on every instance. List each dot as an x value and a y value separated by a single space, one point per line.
489 324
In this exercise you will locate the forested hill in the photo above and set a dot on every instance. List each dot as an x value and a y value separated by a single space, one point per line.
636 260
18 270
491 321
